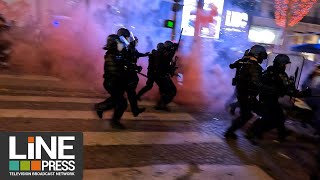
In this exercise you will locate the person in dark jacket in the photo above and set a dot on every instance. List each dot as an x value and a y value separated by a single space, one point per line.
272 114
163 74
236 65
248 87
155 56
132 76
115 76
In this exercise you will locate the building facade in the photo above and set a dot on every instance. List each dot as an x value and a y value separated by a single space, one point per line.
264 30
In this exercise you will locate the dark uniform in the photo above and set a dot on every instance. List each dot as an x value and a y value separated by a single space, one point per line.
272 114
155 56
236 65
117 68
114 80
132 77
163 79
129 78
248 87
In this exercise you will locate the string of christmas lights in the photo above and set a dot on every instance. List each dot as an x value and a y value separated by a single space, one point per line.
292 11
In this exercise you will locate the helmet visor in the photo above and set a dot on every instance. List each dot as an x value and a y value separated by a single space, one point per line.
131 38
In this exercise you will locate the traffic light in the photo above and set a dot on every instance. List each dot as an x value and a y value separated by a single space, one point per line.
169 24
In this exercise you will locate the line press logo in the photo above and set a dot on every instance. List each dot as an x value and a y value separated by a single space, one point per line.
49 155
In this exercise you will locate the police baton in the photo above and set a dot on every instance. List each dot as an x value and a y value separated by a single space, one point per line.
143 74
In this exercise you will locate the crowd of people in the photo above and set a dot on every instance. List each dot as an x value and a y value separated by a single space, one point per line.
121 75
252 82
256 90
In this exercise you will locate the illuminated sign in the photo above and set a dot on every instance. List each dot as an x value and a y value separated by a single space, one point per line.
236 19
209 18
264 35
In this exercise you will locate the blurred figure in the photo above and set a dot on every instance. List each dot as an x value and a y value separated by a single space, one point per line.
4 25
313 79
5 45
5 53
313 82
248 87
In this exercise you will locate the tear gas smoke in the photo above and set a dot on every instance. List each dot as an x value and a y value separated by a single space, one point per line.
68 43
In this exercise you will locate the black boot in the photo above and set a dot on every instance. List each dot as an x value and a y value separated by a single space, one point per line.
138 97
137 112
161 106
117 125
100 114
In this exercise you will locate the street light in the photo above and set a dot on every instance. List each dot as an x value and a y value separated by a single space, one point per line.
175 8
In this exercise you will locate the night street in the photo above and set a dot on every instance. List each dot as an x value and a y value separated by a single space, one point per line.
156 145
160 90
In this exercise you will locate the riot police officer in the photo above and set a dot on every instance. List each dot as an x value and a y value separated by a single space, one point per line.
115 77
132 76
272 114
163 79
154 57
248 87
236 65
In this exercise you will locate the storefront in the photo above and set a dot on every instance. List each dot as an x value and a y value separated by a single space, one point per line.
263 30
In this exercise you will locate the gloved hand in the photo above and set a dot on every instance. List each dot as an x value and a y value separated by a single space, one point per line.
232 66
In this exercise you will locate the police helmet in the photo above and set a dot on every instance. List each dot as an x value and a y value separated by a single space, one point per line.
281 60
168 44
160 46
259 52
124 32
111 42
